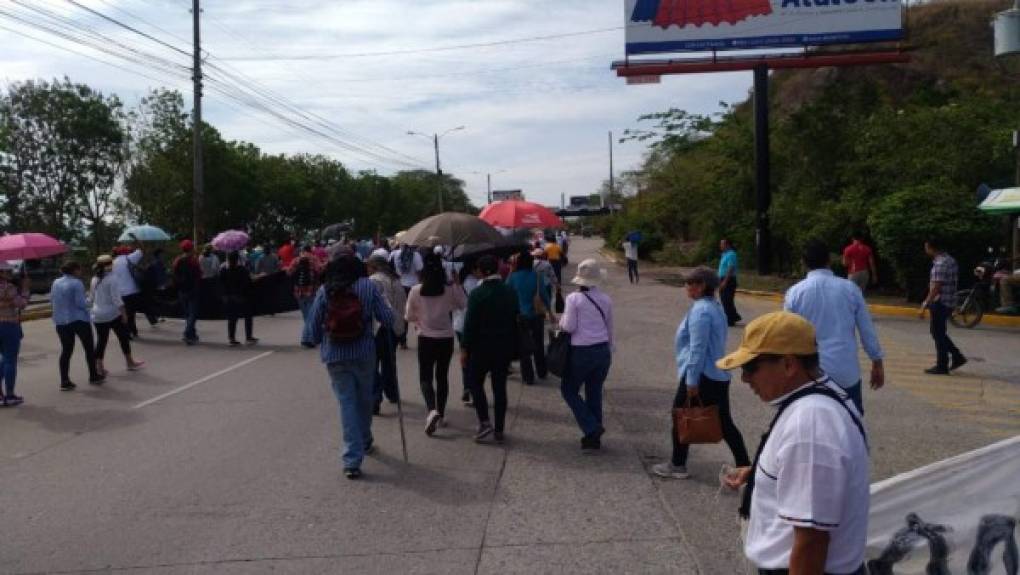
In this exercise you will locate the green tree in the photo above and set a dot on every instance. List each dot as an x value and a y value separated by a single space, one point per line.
68 145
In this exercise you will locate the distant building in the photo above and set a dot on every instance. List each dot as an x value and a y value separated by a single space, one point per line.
503 195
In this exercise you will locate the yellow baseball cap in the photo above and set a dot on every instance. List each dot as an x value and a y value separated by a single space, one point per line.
777 333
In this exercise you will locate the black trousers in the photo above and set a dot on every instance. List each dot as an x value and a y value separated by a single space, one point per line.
235 309
133 304
944 347
479 365
83 331
717 393
726 295
632 271
434 355
536 327
120 329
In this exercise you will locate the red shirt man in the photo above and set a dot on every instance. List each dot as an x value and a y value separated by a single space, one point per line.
286 254
860 263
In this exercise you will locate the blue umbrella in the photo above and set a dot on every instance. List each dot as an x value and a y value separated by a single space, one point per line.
144 234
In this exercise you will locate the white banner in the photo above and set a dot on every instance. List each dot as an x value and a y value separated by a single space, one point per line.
704 25
953 517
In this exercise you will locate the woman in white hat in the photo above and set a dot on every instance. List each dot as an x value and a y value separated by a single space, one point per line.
13 299
109 314
588 318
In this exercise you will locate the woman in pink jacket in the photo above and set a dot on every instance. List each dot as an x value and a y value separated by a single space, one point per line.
429 308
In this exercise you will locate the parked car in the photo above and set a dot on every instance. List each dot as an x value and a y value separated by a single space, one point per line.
40 272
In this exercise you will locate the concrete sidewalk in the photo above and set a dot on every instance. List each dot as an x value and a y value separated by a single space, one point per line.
881 309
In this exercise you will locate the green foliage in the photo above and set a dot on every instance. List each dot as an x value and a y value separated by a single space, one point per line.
902 222
66 146
852 149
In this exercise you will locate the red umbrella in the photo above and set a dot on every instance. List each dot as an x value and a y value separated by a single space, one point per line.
520 214
29 246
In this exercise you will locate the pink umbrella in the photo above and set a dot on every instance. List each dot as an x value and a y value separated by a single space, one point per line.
30 246
230 240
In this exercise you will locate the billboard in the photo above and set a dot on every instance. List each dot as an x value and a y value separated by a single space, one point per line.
705 25
503 195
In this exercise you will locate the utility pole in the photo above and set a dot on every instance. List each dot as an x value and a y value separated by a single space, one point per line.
198 195
488 186
612 176
439 173
763 177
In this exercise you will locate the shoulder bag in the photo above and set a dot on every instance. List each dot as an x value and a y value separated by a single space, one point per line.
697 423
557 356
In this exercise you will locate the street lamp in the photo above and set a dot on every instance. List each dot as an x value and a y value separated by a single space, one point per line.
439 172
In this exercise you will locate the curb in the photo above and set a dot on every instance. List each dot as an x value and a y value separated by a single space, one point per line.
876 308
896 310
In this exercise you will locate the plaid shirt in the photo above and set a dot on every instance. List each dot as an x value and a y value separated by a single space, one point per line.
944 270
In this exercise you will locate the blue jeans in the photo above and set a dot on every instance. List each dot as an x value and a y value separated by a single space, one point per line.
189 304
944 347
352 382
589 366
305 303
856 394
10 345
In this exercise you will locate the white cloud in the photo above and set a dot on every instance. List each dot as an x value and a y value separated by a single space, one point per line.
540 110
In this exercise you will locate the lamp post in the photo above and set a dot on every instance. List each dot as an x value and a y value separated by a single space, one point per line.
439 171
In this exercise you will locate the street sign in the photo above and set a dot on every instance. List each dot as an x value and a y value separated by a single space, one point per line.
644 79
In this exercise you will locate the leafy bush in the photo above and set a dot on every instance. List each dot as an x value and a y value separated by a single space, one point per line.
902 221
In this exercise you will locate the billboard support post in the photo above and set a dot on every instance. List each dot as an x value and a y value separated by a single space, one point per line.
762 179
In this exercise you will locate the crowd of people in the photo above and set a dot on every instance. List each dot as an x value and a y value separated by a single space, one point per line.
806 489
498 309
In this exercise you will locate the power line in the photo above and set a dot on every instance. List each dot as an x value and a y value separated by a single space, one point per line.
77 33
82 54
408 51
127 27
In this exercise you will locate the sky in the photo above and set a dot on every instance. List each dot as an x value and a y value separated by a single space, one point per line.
536 114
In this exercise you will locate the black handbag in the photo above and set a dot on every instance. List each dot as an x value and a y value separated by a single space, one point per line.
557 355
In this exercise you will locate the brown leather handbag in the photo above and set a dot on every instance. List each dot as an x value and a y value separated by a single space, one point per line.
697 424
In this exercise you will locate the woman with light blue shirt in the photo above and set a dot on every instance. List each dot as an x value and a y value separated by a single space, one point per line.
700 342
72 319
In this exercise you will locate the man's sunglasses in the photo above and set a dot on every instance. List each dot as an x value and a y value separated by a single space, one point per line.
752 366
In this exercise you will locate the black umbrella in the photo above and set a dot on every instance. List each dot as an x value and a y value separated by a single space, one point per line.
453 229
336 231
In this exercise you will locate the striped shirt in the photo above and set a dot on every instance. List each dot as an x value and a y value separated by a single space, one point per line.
372 306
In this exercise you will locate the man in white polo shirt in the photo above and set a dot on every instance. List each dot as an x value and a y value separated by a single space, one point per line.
808 496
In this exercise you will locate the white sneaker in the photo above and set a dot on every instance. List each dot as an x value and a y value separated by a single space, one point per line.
431 422
667 470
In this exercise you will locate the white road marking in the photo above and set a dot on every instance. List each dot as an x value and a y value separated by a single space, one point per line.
203 380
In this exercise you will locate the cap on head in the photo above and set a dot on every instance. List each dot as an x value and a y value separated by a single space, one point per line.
777 333
104 260
187 245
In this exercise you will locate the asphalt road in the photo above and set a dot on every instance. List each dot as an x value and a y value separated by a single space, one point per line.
225 460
